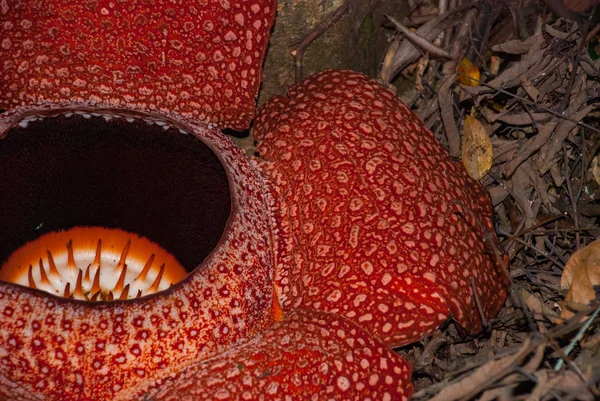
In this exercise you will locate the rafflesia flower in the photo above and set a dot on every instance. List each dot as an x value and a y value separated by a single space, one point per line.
144 256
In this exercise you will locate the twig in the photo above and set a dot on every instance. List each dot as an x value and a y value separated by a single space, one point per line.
553 248
539 251
536 226
484 322
566 99
407 53
487 12
544 108
571 197
322 27
420 41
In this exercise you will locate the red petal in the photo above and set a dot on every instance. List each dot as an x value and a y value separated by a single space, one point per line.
305 354
369 224
194 58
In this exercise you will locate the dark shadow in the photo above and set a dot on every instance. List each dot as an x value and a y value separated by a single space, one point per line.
63 172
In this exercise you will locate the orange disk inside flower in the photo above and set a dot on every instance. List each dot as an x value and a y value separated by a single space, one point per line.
93 263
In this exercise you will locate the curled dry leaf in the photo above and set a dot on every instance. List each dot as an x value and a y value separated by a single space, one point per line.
580 275
467 72
477 150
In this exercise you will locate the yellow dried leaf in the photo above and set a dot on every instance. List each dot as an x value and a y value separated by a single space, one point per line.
495 65
467 73
477 150
581 274
596 169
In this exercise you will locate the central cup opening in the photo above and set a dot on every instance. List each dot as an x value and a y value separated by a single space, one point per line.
136 179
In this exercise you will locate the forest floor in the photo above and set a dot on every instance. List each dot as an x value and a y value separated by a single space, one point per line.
529 80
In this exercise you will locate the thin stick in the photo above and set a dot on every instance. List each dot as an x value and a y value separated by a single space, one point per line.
572 198
420 41
544 108
322 27
484 322
536 226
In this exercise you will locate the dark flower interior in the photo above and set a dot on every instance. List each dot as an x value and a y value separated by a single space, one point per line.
62 172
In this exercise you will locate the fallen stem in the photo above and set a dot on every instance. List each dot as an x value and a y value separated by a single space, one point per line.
322 27
420 41
544 108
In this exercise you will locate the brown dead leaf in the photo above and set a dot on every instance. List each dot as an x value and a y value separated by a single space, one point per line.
549 382
529 65
521 118
518 46
512 75
530 147
483 377
589 66
530 88
553 82
576 112
477 153
536 305
580 275
558 33
420 69
467 72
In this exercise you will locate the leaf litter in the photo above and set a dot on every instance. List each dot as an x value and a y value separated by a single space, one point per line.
527 74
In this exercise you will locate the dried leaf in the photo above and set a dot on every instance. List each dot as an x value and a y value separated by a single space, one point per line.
536 305
558 34
477 150
561 133
589 67
489 373
580 5
557 176
531 146
529 64
386 65
520 118
529 88
581 274
518 46
551 83
549 382
497 193
467 73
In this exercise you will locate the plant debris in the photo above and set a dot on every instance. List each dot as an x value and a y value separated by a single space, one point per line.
528 73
